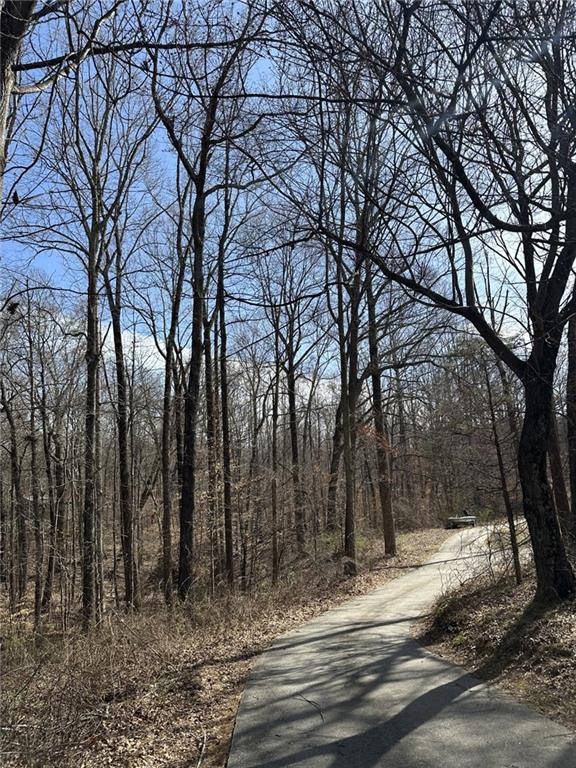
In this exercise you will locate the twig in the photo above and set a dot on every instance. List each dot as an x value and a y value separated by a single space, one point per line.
202 748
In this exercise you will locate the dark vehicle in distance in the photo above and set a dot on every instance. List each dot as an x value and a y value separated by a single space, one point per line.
461 521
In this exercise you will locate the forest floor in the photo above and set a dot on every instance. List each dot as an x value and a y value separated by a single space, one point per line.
162 690
495 631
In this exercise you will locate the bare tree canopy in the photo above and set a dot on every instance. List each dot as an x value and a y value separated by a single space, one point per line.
279 279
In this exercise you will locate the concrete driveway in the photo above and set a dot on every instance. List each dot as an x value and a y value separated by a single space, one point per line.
352 689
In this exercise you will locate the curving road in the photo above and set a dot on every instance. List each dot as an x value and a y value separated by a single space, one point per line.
352 689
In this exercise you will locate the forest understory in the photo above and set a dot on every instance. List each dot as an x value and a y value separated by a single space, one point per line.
495 630
162 690
276 279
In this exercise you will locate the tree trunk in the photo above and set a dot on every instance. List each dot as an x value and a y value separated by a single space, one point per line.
212 494
554 575
332 493
167 410
225 416
504 484
15 18
570 524
511 412
4 541
49 469
98 506
401 443
19 569
275 404
56 519
299 518
167 477
178 377
88 510
382 441
346 379
36 504
350 566
556 471
191 397
126 509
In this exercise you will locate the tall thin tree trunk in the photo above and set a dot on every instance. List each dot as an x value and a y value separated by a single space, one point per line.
114 295
350 566
382 441
504 484
49 469
187 501
167 477
335 456
570 524
191 400
212 494
225 418
275 404
557 472
88 510
178 377
4 535
401 442
19 569
167 410
34 480
98 506
299 517
56 519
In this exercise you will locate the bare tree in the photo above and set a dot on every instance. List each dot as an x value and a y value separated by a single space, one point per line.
494 173
195 151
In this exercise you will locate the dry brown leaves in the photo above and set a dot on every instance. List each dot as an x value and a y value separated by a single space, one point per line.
496 632
162 690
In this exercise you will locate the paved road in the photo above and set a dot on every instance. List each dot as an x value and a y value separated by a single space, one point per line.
351 689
